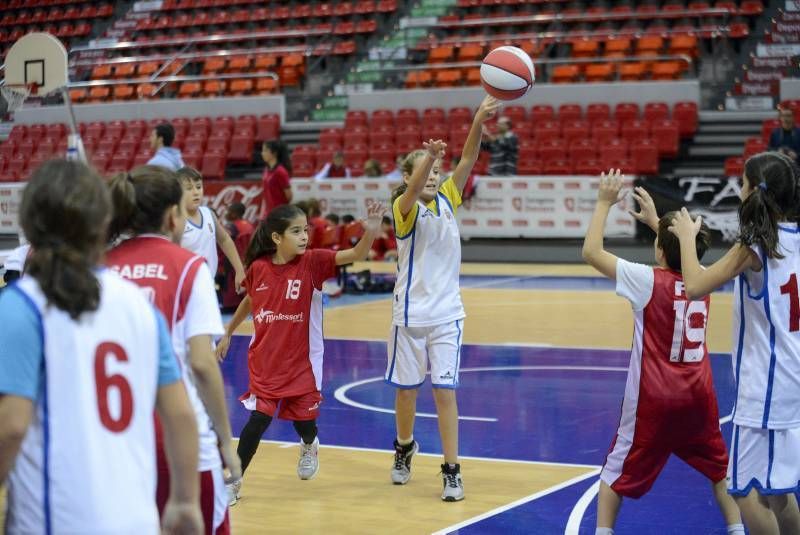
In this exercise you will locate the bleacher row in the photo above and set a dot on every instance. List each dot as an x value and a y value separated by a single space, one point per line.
64 19
550 141
734 165
208 144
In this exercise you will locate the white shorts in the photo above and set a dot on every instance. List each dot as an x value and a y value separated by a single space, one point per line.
410 349
765 459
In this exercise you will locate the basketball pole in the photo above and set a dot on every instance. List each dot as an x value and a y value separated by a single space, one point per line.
75 150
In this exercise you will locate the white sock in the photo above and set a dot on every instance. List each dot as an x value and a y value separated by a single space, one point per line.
604 531
736 529
405 441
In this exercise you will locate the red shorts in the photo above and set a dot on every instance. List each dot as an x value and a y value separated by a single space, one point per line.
296 409
631 468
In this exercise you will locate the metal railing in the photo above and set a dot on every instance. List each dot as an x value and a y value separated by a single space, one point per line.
163 80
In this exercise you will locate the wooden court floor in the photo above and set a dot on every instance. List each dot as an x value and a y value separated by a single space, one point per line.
352 493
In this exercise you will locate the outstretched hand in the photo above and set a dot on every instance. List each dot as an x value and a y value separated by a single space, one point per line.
436 148
610 187
683 226
488 108
647 208
375 213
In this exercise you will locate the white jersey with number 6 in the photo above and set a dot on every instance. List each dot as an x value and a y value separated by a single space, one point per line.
766 338
87 463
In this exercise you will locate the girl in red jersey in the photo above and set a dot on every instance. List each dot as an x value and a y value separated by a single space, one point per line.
669 406
275 181
284 283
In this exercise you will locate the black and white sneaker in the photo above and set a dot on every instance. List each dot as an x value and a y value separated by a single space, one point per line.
401 469
453 486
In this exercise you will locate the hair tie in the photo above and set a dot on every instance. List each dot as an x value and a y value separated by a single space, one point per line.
763 186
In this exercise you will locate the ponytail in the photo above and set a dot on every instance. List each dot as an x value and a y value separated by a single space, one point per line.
64 213
141 198
773 178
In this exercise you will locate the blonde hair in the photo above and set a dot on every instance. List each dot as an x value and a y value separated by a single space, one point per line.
407 167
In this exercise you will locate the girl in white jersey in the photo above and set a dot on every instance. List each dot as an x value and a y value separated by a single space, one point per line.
764 466
427 316
203 231
84 362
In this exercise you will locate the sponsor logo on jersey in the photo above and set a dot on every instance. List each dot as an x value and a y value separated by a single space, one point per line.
314 407
262 287
268 316
446 375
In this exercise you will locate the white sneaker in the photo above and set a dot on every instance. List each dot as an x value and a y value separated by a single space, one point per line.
234 490
453 486
308 465
401 469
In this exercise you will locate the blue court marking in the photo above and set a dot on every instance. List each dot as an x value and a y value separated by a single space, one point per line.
558 414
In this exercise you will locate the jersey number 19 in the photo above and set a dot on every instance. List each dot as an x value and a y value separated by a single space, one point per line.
690 325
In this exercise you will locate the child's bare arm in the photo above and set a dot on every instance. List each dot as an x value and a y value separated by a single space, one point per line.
593 252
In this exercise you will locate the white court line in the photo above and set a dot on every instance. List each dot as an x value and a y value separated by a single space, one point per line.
576 516
517 503
341 393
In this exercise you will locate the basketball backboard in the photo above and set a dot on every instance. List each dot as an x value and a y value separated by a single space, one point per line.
37 58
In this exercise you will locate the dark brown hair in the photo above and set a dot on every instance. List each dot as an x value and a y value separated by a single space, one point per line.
773 178
669 243
141 198
189 174
278 221
64 212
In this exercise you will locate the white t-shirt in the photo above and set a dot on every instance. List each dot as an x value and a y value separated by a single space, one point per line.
635 283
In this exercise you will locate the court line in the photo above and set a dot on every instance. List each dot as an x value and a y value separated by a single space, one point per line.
576 516
341 393
517 503
286 444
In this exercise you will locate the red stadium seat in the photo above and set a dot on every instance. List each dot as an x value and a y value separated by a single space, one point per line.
644 154
667 138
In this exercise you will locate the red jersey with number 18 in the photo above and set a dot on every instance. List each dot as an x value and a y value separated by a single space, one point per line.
285 355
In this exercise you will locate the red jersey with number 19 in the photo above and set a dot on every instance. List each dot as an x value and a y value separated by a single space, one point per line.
285 355
670 406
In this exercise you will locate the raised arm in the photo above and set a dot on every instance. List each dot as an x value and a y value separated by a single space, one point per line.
647 209
229 249
593 252
372 227
242 311
472 146
416 183
697 281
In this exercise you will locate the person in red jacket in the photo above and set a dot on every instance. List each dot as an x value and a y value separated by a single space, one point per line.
277 190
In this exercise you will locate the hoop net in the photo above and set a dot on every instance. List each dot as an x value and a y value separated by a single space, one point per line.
15 94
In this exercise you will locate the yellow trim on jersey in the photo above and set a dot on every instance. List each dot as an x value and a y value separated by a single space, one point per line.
404 226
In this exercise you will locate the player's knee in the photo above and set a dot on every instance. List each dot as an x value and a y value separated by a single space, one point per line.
407 394
445 396
260 420
307 429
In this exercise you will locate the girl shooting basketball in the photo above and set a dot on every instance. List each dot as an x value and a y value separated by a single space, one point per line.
428 316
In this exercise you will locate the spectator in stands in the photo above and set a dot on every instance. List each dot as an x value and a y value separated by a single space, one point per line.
397 174
317 224
333 219
786 138
372 169
235 223
385 245
334 169
502 148
166 155
277 190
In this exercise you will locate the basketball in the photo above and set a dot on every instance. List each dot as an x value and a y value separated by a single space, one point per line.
507 73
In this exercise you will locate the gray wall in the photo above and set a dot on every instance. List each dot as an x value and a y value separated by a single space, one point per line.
151 109
790 88
553 94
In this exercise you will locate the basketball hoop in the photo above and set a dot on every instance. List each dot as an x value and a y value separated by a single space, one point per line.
15 94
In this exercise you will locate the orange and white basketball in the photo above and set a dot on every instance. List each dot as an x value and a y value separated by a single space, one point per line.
507 73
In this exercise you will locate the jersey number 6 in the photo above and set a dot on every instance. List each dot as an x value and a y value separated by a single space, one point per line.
104 383
684 312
